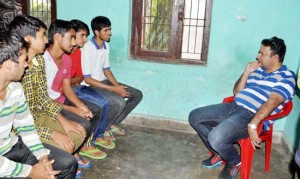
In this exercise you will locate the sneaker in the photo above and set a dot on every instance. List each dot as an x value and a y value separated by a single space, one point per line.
230 171
214 161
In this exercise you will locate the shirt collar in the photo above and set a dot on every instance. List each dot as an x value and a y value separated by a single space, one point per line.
282 68
96 45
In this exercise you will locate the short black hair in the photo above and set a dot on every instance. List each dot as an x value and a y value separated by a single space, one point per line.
99 23
10 46
276 45
59 26
26 25
78 25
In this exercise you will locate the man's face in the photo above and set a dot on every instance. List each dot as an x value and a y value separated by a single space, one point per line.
19 67
265 56
81 38
67 42
105 33
37 43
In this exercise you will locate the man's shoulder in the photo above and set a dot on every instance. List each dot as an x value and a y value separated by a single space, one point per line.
287 72
88 44
38 61
15 87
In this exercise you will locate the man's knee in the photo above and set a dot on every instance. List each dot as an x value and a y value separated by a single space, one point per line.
86 125
118 103
193 117
68 166
77 139
216 140
138 95
68 162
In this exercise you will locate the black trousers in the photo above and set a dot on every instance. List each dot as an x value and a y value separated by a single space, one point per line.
63 161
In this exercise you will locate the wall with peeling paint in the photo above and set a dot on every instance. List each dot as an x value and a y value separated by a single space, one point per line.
170 90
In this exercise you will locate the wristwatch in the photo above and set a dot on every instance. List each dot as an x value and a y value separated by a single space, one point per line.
252 126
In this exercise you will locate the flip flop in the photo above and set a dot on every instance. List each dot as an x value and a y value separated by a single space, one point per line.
117 130
109 136
89 153
106 143
86 165
78 174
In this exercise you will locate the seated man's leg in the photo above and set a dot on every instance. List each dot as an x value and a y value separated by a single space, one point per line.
20 153
232 129
83 122
63 161
56 125
116 105
88 149
89 94
205 118
131 102
96 111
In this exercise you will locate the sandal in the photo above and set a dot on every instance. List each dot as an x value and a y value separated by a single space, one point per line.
92 153
85 162
105 142
117 130
78 174
109 136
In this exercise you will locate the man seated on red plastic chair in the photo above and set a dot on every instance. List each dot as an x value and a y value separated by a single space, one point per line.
264 87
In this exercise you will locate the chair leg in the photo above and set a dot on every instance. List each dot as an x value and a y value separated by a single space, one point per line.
246 158
268 155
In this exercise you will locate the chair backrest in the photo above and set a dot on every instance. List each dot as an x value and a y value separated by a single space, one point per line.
287 108
284 111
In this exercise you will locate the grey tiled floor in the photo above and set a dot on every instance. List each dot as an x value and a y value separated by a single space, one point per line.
146 153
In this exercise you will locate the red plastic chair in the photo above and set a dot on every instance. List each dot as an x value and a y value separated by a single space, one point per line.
247 150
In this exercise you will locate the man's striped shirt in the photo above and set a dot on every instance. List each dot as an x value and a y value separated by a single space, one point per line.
14 113
261 84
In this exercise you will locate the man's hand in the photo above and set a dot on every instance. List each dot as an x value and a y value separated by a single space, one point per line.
69 126
121 91
86 112
252 66
45 159
42 170
64 141
254 139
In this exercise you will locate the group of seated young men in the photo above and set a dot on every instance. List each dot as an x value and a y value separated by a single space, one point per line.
68 105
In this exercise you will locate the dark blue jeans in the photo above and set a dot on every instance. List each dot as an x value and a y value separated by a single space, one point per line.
87 93
220 126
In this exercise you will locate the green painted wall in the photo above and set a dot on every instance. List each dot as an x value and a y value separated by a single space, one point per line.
172 91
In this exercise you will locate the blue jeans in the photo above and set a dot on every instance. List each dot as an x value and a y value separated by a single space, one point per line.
220 126
87 93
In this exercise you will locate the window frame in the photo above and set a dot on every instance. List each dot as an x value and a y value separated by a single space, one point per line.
174 53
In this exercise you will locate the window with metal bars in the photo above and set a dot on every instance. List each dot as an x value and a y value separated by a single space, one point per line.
171 30
45 10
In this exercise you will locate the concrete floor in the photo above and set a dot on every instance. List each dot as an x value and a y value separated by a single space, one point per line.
146 153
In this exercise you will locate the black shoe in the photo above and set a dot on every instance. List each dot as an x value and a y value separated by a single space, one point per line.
230 171
214 161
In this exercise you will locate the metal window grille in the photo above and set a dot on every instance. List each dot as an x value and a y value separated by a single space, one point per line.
42 10
156 24
193 28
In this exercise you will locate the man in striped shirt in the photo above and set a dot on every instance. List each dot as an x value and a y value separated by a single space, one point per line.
263 89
